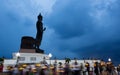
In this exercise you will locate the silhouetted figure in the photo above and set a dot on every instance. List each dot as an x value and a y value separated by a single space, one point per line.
40 30
96 68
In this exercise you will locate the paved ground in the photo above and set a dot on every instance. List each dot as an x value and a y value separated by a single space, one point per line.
4 73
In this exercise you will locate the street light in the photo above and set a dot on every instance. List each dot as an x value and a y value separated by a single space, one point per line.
109 60
17 55
50 55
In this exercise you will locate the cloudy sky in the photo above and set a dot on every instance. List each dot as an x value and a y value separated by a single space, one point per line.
75 28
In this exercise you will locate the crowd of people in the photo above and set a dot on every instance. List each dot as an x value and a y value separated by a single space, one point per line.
59 68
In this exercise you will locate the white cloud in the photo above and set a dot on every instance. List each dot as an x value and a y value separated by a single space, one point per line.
99 8
100 13
46 5
29 8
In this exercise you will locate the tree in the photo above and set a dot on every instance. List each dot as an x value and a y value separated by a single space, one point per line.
67 60
2 59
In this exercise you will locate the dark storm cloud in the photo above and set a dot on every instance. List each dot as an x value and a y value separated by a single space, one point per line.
87 28
69 18
103 51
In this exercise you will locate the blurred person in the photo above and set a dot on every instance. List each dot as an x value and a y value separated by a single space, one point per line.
114 72
76 68
15 70
96 68
87 65
91 71
104 71
1 67
81 68
109 69
38 70
118 69
46 70
67 68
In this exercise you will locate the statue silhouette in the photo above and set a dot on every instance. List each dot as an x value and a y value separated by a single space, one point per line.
40 29
28 42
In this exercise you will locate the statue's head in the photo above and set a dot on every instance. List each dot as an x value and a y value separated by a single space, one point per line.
40 17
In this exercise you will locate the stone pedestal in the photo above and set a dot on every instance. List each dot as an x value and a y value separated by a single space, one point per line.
27 42
28 45
27 51
31 51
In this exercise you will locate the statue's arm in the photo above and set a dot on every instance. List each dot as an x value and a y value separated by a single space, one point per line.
44 28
